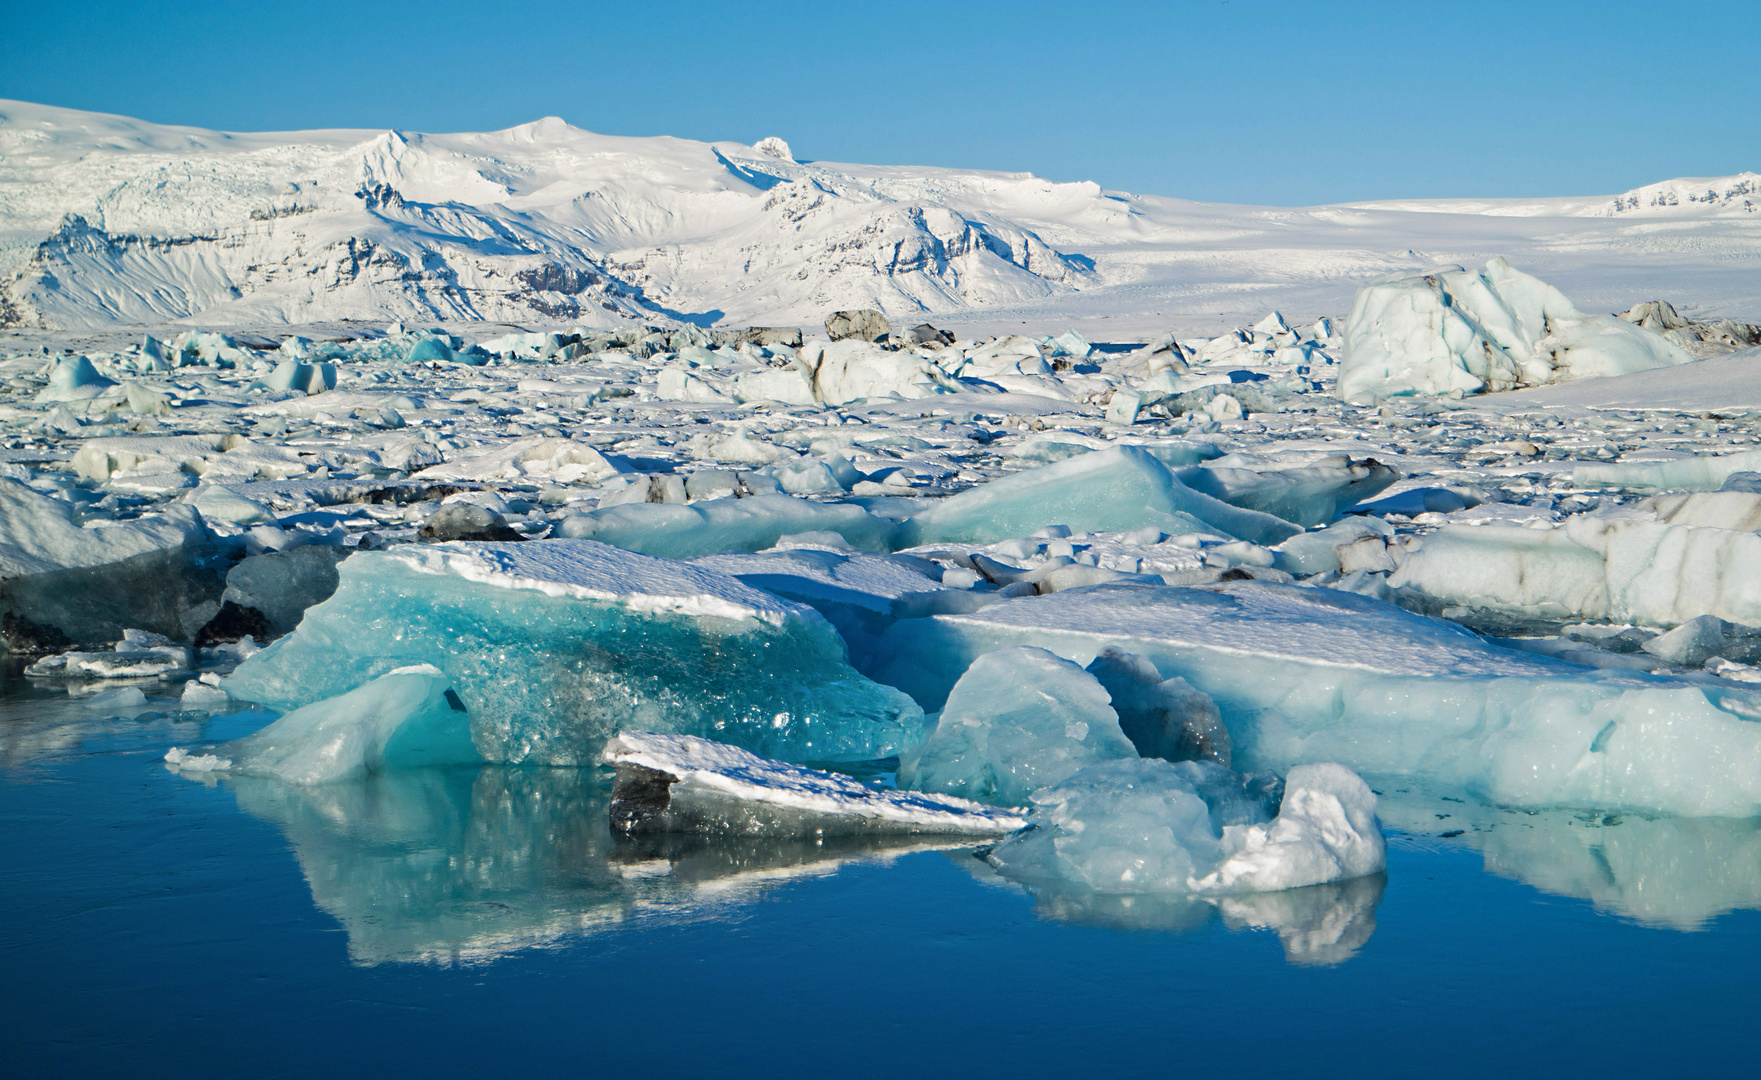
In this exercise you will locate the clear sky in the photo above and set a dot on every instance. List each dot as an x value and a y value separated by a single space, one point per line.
1255 101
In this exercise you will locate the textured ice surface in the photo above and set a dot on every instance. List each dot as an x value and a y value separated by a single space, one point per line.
555 645
1627 567
679 783
750 524
1018 719
1454 330
408 718
1116 490
93 581
1140 827
1306 495
1304 675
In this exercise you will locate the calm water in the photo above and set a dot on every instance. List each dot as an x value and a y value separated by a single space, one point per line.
483 919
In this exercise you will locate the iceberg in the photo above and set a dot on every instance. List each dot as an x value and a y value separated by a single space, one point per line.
1308 495
1146 827
754 523
92 582
1018 719
1305 674
556 645
1460 331
407 718
684 784
1625 566
1114 490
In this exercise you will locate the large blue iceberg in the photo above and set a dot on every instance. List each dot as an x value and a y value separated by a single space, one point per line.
555 645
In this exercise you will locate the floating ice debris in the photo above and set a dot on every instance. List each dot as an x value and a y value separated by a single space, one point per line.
1163 718
1143 827
184 761
1018 719
1496 329
139 655
683 784
555 645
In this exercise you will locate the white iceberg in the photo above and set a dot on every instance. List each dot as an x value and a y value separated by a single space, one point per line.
1461 331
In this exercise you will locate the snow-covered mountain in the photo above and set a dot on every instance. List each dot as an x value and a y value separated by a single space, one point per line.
107 220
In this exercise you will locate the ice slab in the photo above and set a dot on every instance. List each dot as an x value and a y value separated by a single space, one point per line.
1018 719
91 582
684 784
1308 495
1701 472
408 718
750 524
1146 827
1303 675
1113 490
1625 566
1455 330
555 645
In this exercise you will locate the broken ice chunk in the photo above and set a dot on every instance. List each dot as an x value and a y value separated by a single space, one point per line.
555 645
750 524
1019 719
679 783
90 583
1326 830
1113 490
1141 827
407 718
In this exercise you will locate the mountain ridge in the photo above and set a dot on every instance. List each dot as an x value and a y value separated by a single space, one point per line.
106 220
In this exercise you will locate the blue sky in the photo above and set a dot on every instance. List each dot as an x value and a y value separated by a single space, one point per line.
1257 101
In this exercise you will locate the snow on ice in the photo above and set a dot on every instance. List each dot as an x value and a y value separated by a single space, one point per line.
1153 608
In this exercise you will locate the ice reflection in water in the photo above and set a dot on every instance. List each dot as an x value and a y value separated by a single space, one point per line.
1679 873
1318 925
463 865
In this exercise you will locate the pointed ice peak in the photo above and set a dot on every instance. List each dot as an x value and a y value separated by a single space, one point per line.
774 147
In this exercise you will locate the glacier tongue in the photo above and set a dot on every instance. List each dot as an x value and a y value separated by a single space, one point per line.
555 645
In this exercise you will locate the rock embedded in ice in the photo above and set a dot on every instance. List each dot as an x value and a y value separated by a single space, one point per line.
555 645
684 784
1018 719
867 324
1163 718
467 521
1454 330
407 718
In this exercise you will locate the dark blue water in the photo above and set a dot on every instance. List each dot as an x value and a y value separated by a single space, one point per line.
483 921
